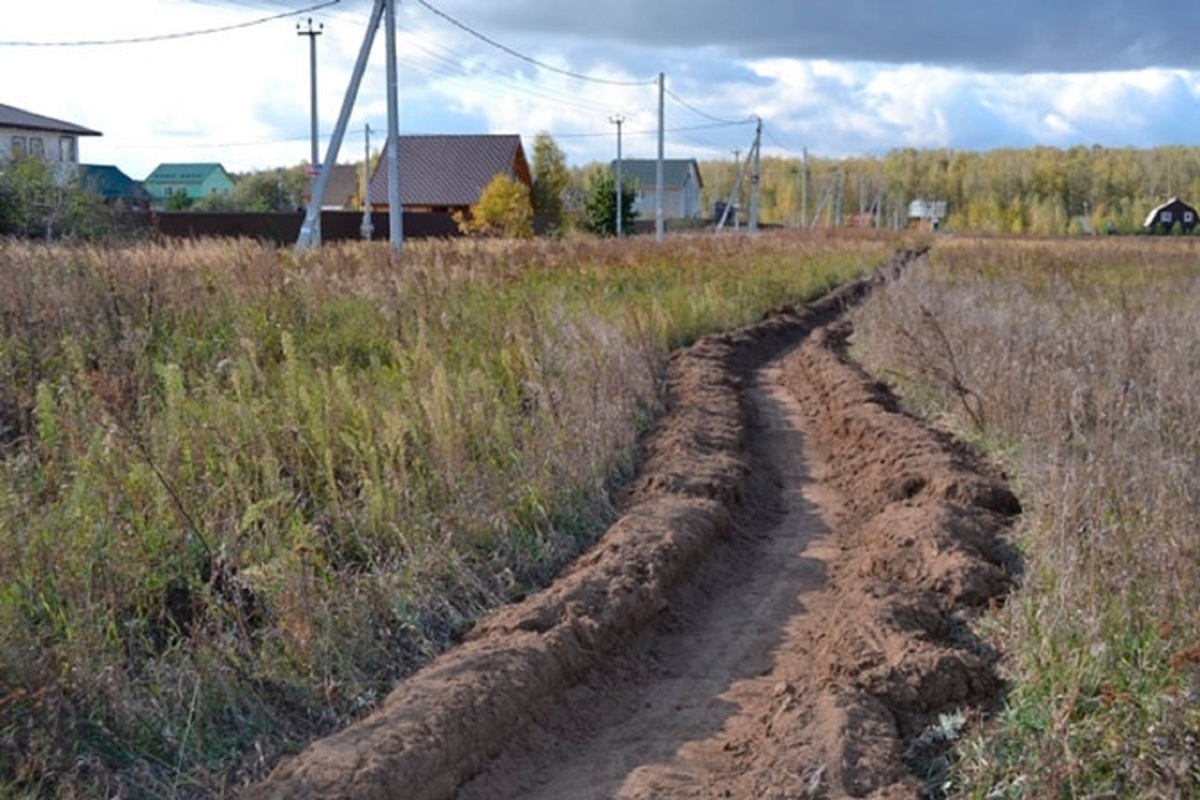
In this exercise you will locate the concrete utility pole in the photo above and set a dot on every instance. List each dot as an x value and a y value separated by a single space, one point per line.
395 209
658 194
367 228
313 215
314 169
618 120
737 182
754 178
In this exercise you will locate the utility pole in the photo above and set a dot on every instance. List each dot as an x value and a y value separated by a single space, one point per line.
658 194
367 228
618 120
737 169
754 178
314 168
313 214
395 209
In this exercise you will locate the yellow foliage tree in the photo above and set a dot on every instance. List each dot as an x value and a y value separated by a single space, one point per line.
504 210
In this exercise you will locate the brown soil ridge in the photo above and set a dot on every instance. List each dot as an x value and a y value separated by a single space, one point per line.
919 543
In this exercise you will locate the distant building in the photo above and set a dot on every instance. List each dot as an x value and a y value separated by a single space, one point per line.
23 133
681 186
448 172
342 191
113 185
191 181
1165 217
926 215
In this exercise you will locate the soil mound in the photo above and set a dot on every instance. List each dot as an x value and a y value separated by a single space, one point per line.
780 612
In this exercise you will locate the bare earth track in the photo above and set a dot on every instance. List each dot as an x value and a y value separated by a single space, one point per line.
780 612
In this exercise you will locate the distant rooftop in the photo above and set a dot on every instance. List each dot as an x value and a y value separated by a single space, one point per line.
12 117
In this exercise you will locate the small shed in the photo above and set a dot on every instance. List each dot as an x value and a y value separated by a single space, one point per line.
1164 218
926 215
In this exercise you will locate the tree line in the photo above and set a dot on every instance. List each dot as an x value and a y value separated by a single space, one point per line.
1039 190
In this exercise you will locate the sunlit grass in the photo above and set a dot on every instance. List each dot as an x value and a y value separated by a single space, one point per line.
1076 364
243 494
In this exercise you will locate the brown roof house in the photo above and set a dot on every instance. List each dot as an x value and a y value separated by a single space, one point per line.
447 173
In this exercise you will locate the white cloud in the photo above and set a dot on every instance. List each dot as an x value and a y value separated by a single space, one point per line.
241 97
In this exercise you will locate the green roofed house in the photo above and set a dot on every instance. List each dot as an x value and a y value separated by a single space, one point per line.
190 181
681 186
113 185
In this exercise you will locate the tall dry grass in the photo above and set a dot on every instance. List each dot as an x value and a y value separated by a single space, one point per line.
243 494
1077 365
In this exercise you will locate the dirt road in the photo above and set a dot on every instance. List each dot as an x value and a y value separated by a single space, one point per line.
781 612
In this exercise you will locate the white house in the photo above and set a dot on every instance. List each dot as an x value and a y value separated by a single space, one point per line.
23 133
681 186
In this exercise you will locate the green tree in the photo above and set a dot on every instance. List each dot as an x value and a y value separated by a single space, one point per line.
35 201
550 181
600 207
503 211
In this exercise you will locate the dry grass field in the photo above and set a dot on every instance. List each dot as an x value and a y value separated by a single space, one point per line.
1076 364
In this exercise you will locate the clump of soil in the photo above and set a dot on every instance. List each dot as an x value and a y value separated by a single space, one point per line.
781 611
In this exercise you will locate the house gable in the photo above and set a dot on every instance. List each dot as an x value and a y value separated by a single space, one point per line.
681 186
190 180
677 172
1171 213
448 172
23 133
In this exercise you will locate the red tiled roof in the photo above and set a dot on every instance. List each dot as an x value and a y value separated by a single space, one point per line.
450 170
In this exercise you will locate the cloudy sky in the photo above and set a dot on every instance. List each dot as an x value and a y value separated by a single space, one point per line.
842 78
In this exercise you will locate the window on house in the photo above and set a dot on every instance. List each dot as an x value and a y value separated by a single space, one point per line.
66 149
37 146
1189 217
18 146
1168 217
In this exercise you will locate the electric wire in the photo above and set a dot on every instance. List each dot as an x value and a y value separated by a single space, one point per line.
163 37
706 115
522 56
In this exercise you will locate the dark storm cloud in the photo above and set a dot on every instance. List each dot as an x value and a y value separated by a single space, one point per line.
1019 36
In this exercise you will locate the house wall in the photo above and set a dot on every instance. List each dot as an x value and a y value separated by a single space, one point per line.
679 202
60 150
217 182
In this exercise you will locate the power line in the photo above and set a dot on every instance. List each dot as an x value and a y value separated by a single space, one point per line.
528 59
169 36
707 116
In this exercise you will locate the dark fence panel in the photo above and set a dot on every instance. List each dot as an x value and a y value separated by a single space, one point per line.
283 228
